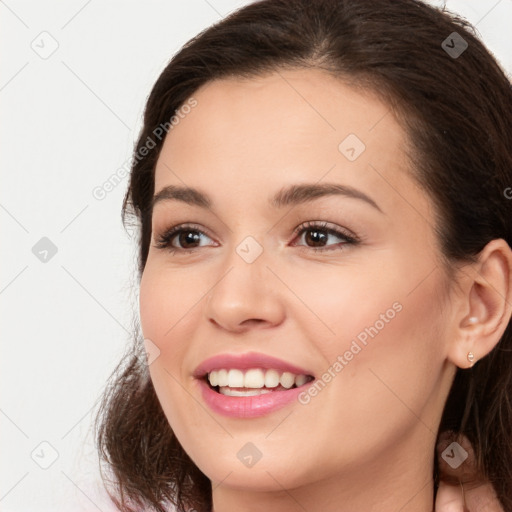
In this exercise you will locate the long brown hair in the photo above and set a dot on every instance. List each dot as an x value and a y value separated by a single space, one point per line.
455 103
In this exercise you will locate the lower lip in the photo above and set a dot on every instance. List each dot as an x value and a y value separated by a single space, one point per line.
248 406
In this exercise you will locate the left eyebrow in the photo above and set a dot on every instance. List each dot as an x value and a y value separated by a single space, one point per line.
291 195
297 194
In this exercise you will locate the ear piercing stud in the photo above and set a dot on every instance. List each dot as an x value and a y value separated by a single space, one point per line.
471 356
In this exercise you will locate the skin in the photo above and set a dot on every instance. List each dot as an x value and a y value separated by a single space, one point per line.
367 440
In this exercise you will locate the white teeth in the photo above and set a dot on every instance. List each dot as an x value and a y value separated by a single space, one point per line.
213 378
222 378
235 378
250 392
287 380
300 380
271 379
254 378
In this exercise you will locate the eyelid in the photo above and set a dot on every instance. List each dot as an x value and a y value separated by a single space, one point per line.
328 227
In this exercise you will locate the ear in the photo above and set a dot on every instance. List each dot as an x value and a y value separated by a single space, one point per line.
485 307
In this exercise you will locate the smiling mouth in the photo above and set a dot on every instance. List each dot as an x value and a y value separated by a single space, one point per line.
253 382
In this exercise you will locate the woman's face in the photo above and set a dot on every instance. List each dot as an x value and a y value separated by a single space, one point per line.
367 319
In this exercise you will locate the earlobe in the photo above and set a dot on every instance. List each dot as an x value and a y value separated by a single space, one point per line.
489 300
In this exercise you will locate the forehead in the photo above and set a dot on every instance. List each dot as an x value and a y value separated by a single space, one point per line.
284 107
254 135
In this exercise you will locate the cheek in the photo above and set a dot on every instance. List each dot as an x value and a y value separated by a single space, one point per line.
151 306
383 365
170 302
388 310
164 316
167 299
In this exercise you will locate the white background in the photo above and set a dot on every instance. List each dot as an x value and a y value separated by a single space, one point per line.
69 122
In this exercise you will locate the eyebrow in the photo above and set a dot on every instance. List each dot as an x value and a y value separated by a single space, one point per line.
287 196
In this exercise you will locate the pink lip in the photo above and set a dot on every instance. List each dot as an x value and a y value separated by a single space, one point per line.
245 361
247 406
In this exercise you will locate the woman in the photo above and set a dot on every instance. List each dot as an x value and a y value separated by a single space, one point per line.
325 268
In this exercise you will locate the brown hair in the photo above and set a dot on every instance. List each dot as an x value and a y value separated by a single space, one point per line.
456 112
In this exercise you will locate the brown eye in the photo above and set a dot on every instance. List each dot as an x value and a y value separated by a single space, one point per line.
187 238
317 236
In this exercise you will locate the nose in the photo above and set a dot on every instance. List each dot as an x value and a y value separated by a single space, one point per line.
246 295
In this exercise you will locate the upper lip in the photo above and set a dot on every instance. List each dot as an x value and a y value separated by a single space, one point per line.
246 361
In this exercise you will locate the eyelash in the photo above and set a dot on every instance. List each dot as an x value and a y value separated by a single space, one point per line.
164 240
